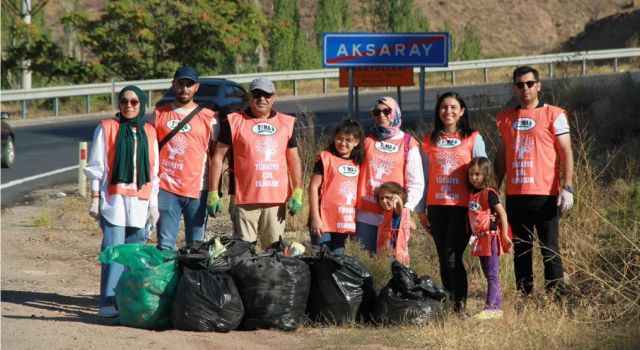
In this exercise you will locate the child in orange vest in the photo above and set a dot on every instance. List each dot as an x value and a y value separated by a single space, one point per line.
487 241
333 188
396 227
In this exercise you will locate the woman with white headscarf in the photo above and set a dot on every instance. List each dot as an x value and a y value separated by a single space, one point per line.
389 155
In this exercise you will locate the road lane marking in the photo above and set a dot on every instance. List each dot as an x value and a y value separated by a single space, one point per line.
35 177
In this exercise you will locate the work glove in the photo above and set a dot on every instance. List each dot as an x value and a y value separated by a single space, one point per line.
94 209
214 203
153 216
295 201
565 201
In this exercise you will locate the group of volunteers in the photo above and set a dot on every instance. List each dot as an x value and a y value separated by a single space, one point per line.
364 185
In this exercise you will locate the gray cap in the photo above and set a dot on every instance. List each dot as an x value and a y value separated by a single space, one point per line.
263 84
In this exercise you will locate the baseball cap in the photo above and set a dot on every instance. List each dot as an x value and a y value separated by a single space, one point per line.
263 84
186 72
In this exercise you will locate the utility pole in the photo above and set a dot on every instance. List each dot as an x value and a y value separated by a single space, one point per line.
25 12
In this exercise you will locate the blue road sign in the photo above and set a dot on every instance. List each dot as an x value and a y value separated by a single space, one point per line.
350 50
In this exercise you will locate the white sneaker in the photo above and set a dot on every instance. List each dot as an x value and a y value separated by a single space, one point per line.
108 311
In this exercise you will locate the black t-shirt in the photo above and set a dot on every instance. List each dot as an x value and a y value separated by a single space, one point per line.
494 200
225 130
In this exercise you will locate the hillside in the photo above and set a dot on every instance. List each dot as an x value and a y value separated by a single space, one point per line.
507 27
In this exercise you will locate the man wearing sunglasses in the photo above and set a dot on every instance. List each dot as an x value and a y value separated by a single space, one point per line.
183 161
536 156
265 156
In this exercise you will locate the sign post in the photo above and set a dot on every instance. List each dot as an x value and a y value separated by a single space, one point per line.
355 50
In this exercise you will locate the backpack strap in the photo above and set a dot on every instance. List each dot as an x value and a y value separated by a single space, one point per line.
179 127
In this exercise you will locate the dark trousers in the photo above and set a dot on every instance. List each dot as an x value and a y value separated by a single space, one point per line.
450 234
524 213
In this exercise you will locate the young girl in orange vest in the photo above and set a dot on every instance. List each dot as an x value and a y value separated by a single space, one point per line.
333 188
487 241
396 227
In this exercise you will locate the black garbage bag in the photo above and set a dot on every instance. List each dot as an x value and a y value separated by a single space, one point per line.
206 300
341 289
196 254
408 298
274 290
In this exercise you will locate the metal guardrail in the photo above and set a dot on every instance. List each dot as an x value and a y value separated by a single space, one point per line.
112 88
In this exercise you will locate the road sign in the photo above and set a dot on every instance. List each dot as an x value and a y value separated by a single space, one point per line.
351 50
378 77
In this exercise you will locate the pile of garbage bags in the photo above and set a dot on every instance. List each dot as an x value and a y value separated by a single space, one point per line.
222 284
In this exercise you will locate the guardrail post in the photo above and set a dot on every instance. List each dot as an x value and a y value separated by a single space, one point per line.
114 105
82 162
295 88
486 75
88 109
453 77
615 64
150 93
56 107
324 86
550 70
23 109
584 67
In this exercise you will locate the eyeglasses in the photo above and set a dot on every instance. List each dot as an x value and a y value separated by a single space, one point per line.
185 83
521 84
376 111
133 103
257 94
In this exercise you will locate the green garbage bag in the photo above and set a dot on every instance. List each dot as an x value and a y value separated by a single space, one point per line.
145 291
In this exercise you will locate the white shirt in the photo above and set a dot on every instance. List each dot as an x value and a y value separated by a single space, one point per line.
413 183
119 210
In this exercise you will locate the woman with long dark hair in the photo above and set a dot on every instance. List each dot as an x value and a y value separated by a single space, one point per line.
446 152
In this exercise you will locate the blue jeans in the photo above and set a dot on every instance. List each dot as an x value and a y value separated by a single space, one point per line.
368 235
171 207
110 273
333 241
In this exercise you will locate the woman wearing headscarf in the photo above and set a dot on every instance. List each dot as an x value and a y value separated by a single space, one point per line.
389 155
123 170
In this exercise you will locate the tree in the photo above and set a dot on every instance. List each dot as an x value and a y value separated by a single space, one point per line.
284 29
150 38
470 46
395 16
47 61
332 16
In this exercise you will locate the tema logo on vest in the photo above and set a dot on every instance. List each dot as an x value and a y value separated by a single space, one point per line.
473 205
348 170
263 129
522 124
386 147
171 124
448 143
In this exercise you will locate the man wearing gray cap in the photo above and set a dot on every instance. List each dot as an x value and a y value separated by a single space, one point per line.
183 160
265 156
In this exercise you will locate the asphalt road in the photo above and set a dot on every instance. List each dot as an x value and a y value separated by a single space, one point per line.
51 146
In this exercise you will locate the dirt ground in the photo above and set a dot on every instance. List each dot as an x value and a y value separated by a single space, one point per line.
50 281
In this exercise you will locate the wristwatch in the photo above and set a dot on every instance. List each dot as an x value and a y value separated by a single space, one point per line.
568 189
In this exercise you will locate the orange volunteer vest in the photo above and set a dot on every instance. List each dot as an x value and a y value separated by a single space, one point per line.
383 161
401 235
111 128
339 191
448 160
260 157
480 223
531 150
183 158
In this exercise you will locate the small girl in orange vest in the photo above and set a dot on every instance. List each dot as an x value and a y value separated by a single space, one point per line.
333 188
396 227
487 241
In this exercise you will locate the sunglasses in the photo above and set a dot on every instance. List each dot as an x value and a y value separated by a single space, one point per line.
376 111
258 94
133 103
521 84
186 83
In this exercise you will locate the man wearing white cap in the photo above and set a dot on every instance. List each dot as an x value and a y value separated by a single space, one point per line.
265 156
